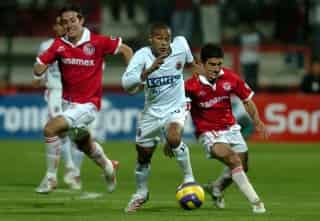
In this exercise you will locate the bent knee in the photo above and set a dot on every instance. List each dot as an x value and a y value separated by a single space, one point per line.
49 130
234 160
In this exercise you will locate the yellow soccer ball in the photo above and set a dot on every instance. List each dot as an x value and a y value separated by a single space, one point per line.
190 195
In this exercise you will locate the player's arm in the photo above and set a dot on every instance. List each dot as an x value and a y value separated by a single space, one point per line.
39 70
195 67
252 110
126 52
44 58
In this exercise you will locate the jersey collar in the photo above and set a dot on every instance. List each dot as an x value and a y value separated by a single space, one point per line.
204 80
84 38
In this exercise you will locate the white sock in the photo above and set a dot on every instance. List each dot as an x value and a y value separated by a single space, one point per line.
66 153
98 156
77 156
53 147
183 158
242 181
142 172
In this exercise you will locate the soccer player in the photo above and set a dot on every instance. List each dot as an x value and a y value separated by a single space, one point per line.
80 55
158 69
216 127
53 96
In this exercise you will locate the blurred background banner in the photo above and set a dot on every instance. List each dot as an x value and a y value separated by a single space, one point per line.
289 117
23 116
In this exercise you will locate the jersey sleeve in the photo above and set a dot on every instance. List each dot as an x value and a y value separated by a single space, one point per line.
132 76
49 55
110 45
182 40
242 89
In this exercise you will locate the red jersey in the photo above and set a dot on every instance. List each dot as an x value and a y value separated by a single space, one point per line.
81 65
211 104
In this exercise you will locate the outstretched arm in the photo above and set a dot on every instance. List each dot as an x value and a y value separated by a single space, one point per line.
126 52
252 110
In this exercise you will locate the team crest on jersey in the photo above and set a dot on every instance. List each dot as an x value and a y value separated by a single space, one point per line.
60 49
202 93
178 65
88 49
226 86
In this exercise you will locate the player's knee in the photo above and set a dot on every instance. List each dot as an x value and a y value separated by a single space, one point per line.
174 135
49 130
234 160
173 140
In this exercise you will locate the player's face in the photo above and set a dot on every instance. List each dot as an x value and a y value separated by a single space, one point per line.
58 28
212 67
72 24
160 41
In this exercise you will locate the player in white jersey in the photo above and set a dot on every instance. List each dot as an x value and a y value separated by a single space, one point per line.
158 69
69 153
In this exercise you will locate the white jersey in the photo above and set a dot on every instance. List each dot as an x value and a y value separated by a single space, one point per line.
164 88
53 74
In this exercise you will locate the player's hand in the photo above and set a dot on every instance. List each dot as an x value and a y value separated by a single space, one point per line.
262 129
197 69
167 151
158 62
155 66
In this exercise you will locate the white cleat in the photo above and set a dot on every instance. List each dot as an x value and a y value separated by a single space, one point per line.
47 185
216 195
72 179
112 180
258 208
136 201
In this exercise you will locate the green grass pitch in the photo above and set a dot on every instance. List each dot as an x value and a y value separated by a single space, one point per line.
285 175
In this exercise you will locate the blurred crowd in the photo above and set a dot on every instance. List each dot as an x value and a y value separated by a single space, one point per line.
246 23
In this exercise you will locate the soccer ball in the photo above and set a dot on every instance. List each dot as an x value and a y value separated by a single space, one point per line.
190 195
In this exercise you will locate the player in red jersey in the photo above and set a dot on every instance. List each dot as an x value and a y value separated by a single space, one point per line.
216 127
80 55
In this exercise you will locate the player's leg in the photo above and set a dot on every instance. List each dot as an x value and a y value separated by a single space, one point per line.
173 132
148 129
52 130
180 150
52 144
79 117
225 154
77 156
96 153
142 172
72 173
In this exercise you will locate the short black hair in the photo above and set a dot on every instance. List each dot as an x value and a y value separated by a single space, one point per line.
158 26
71 7
211 50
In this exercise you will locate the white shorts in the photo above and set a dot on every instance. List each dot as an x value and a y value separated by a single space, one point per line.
150 129
233 137
54 100
79 115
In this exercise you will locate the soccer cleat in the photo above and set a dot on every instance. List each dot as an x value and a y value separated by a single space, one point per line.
47 185
258 208
136 201
112 180
72 179
216 195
